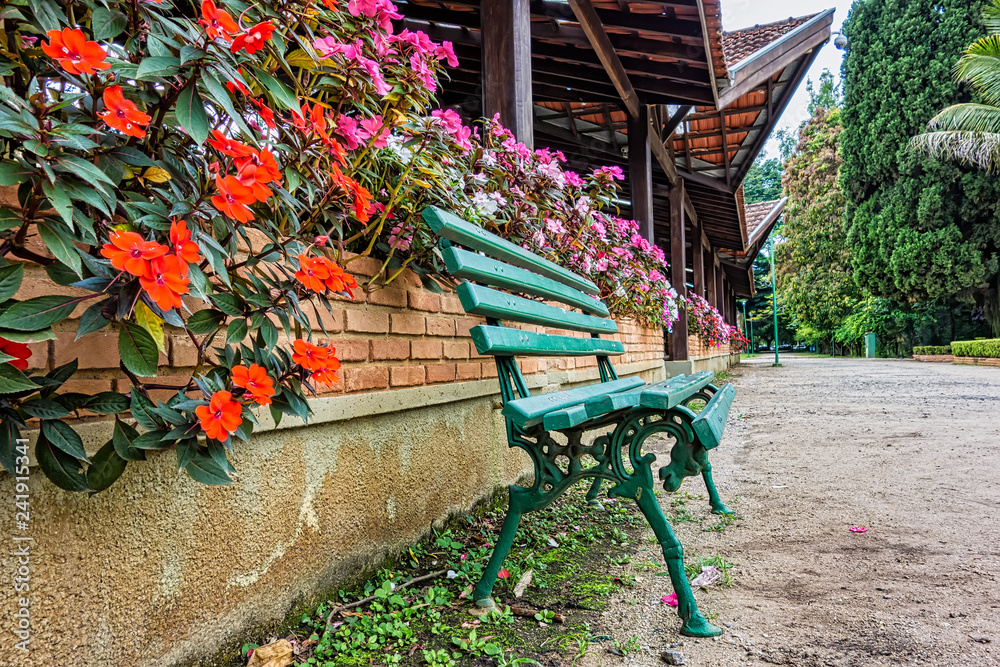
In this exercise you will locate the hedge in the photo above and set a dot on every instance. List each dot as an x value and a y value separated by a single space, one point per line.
932 350
977 348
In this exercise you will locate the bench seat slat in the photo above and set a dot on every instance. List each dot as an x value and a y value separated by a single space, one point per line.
504 341
526 412
491 303
666 397
674 390
711 421
488 271
453 228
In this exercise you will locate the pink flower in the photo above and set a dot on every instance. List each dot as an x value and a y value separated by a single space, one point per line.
670 600
372 127
426 74
347 127
321 240
445 51
451 122
400 238
503 574
858 529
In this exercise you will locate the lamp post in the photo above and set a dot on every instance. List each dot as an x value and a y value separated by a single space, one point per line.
774 303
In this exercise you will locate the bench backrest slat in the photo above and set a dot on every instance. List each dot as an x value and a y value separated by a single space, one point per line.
453 228
497 305
488 271
515 342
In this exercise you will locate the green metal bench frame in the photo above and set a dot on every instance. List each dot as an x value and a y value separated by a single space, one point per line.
624 412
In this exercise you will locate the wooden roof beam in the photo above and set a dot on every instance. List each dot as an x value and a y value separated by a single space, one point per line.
601 43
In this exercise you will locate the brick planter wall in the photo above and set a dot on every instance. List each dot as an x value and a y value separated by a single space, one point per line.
977 361
942 358
410 436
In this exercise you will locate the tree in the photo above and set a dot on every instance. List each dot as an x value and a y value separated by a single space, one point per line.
814 274
763 181
919 229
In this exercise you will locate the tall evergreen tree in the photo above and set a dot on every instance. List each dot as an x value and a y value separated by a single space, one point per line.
919 229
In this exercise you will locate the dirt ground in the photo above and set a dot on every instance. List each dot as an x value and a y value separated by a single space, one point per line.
909 450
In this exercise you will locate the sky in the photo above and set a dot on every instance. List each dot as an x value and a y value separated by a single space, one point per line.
738 14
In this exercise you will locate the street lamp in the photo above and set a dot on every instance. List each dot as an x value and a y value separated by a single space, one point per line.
774 303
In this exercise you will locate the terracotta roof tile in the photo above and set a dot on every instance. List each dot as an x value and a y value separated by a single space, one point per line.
756 213
740 44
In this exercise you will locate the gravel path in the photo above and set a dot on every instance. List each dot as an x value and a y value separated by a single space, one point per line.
911 451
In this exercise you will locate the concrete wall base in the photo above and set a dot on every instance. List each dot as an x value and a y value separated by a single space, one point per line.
716 363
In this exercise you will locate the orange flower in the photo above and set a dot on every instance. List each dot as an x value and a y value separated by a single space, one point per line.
221 416
310 357
74 53
123 114
19 351
322 361
339 281
312 273
258 170
230 147
216 21
181 243
265 113
233 86
363 206
129 252
256 381
165 281
233 198
253 39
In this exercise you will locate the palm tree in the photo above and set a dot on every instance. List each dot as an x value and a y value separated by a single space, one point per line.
970 133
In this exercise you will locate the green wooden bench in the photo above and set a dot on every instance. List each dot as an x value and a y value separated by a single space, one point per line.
623 412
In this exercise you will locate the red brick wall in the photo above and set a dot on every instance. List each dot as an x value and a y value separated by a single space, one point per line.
399 336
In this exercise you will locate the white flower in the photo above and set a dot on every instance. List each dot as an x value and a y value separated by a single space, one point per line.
485 204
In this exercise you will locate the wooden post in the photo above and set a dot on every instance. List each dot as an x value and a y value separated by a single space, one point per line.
507 65
640 172
720 289
678 268
710 279
697 259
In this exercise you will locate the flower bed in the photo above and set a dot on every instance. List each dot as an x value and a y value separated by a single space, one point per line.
711 328
210 182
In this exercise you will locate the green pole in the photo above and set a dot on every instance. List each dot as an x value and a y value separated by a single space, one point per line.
746 327
774 303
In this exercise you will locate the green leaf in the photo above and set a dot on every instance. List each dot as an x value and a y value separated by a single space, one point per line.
107 24
138 350
61 274
62 435
191 114
186 449
150 440
92 320
237 331
152 323
107 403
9 435
282 94
43 409
60 201
59 243
13 381
28 336
203 469
37 313
14 173
62 469
106 468
205 321
48 14
84 169
122 441
142 411
10 280
152 68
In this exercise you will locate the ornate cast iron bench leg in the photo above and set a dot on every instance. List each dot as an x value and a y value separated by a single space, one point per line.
637 484
483 594
595 490
718 507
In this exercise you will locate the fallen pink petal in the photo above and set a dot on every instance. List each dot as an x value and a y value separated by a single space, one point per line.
669 600
503 574
858 529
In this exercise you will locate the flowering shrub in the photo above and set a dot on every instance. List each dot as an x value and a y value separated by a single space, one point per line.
205 173
708 323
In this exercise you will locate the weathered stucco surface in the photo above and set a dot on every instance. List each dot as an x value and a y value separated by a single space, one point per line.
160 569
